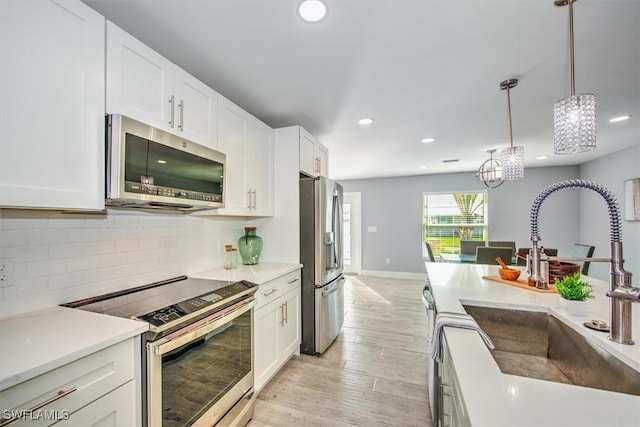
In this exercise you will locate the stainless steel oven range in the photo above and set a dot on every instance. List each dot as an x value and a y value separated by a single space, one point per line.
197 355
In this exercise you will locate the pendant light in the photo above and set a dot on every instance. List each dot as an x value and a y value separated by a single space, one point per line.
512 157
574 118
490 172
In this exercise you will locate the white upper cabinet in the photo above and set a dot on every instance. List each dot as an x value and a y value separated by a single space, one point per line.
314 157
145 86
52 105
248 144
259 166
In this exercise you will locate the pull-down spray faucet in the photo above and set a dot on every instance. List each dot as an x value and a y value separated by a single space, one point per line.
621 292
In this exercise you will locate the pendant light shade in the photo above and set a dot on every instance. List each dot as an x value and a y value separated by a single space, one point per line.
574 118
574 124
490 172
512 157
513 163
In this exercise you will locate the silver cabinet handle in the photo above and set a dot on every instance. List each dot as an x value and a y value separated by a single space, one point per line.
281 314
249 201
49 401
181 123
171 101
286 312
254 198
295 279
271 292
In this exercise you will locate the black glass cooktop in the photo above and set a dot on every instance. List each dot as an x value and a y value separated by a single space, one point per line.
167 302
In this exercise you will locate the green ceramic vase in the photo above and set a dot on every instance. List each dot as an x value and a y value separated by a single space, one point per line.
250 246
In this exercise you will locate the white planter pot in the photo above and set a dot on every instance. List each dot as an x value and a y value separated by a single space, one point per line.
576 308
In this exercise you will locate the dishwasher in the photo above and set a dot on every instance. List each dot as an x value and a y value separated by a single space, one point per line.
432 369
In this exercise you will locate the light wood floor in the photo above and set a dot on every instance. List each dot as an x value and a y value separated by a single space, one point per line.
374 374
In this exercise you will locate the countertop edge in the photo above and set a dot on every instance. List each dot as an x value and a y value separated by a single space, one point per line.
258 273
497 399
49 352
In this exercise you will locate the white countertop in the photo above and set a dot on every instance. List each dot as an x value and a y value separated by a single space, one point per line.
496 399
37 342
258 273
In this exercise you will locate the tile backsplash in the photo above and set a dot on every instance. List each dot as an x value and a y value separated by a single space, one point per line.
60 257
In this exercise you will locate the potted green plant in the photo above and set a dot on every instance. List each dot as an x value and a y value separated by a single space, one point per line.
575 291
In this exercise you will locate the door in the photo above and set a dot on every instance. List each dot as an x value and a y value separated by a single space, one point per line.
196 110
329 313
52 105
329 250
352 238
139 80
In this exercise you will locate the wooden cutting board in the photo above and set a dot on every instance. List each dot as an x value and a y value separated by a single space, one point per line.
521 283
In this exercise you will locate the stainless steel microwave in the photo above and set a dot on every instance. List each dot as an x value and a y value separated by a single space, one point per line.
152 169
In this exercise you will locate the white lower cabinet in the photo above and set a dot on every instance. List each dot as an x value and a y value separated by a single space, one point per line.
453 412
96 390
277 326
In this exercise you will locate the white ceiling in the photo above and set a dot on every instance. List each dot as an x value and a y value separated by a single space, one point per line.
420 68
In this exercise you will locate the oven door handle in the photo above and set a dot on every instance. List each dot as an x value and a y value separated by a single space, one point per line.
167 344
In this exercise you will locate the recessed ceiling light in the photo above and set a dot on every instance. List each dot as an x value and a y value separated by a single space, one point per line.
422 167
428 140
542 158
619 119
365 121
312 10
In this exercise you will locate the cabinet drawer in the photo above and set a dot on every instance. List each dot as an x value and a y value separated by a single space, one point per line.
113 410
273 289
92 376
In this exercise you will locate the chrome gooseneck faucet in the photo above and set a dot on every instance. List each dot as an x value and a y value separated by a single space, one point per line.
621 292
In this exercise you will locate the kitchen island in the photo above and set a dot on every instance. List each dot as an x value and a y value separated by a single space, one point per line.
490 398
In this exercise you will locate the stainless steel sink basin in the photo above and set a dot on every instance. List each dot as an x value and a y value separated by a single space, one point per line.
537 345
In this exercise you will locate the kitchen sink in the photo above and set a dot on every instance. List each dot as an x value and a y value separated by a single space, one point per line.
537 345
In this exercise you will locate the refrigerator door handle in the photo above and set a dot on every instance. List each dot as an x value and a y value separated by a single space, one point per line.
337 227
333 288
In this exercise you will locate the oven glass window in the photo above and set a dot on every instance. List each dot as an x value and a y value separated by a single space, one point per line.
147 162
196 375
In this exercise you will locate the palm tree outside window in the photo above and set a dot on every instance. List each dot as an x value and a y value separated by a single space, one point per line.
451 217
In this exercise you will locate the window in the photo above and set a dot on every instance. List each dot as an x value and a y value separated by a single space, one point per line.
451 217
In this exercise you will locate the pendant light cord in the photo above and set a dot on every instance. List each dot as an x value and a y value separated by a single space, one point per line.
571 64
509 107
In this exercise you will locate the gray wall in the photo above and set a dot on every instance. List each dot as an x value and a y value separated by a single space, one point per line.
393 205
610 171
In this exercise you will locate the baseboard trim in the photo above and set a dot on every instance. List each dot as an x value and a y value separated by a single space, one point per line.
394 274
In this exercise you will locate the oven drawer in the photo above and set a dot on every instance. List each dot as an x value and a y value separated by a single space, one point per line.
68 388
273 289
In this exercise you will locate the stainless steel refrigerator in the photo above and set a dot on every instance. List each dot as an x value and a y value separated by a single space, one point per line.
321 254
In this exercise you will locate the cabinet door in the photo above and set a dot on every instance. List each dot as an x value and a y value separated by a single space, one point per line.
308 160
322 154
52 105
266 359
139 81
259 167
196 107
113 410
290 329
232 123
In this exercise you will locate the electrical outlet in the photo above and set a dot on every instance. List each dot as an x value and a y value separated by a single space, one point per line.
6 272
